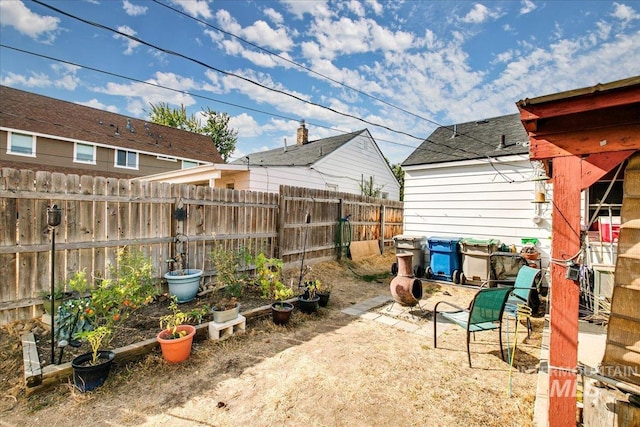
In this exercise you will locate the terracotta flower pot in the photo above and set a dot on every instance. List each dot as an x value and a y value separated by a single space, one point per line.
177 349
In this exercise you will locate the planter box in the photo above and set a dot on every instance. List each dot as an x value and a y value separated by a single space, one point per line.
38 378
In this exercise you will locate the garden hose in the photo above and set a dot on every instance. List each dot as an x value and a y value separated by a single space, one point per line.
343 238
522 312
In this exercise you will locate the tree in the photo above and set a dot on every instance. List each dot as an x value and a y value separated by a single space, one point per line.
370 188
399 173
216 125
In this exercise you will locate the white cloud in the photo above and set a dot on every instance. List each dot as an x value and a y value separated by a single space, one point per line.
624 13
131 44
377 7
132 9
356 7
318 9
479 14
34 80
94 103
346 36
195 8
527 7
245 125
259 33
68 82
140 95
275 16
41 28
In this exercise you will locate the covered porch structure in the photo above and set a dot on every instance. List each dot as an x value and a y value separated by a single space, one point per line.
581 135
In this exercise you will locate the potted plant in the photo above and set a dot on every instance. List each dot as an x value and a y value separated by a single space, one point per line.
323 290
225 309
77 284
176 336
90 370
268 276
183 282
230 278
308 301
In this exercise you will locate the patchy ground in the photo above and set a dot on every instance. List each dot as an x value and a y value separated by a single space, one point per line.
321 370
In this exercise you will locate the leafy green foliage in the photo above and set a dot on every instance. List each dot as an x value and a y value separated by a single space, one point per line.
216 125
268 277
170 322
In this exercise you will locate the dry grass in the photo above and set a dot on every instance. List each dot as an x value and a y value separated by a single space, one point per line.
328 369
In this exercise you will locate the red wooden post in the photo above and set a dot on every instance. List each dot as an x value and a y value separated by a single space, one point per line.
565 294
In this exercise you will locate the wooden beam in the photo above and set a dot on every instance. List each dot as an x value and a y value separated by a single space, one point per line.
565 295
581 143
573 105
596 166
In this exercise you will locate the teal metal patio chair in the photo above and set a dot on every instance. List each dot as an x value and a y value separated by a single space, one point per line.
484 314
524 293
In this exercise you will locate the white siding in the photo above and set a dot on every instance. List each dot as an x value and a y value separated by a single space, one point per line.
359 159
478 200
271 178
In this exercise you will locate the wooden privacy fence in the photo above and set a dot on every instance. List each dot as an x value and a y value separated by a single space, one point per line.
101 215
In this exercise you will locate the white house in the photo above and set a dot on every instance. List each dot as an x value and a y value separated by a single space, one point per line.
475 180
346 163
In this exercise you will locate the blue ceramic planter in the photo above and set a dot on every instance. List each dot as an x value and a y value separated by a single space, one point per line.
184 286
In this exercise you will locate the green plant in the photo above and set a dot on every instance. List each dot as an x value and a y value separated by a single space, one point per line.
230 267
322 287
130 286
311 288
226 304
198 313
95 338
268 278
74 316
170 322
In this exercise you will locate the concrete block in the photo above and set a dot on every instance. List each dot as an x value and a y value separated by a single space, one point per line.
221 331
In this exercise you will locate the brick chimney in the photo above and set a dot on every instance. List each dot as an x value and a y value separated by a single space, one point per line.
303 134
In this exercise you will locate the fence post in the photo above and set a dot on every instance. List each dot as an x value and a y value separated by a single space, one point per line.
383 211
338 228
281 224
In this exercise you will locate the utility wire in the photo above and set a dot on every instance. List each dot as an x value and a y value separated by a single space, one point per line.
253 82
226 73
304 67
312 71
220 101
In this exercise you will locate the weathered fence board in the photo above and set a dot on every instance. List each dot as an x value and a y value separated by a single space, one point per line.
101 215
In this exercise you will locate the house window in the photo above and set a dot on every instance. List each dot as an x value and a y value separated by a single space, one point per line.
126 159
21 144
84 153
230 185
331 187
186 164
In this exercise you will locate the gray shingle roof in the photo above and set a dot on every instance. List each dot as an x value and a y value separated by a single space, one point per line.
299 155
474 140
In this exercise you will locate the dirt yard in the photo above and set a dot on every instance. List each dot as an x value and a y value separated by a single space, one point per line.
327 369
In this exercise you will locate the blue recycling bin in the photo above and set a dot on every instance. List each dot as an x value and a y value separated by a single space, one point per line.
445 259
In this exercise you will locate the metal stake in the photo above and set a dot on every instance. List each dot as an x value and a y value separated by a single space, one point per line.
54 217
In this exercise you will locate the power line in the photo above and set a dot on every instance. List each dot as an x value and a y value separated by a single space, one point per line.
226 73
310 70
490 161
212 99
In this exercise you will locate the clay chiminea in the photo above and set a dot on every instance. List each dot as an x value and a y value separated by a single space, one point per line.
405 288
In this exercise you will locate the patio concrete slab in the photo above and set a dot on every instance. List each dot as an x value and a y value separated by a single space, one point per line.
384 310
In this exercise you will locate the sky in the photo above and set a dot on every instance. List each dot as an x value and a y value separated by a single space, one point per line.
397 68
